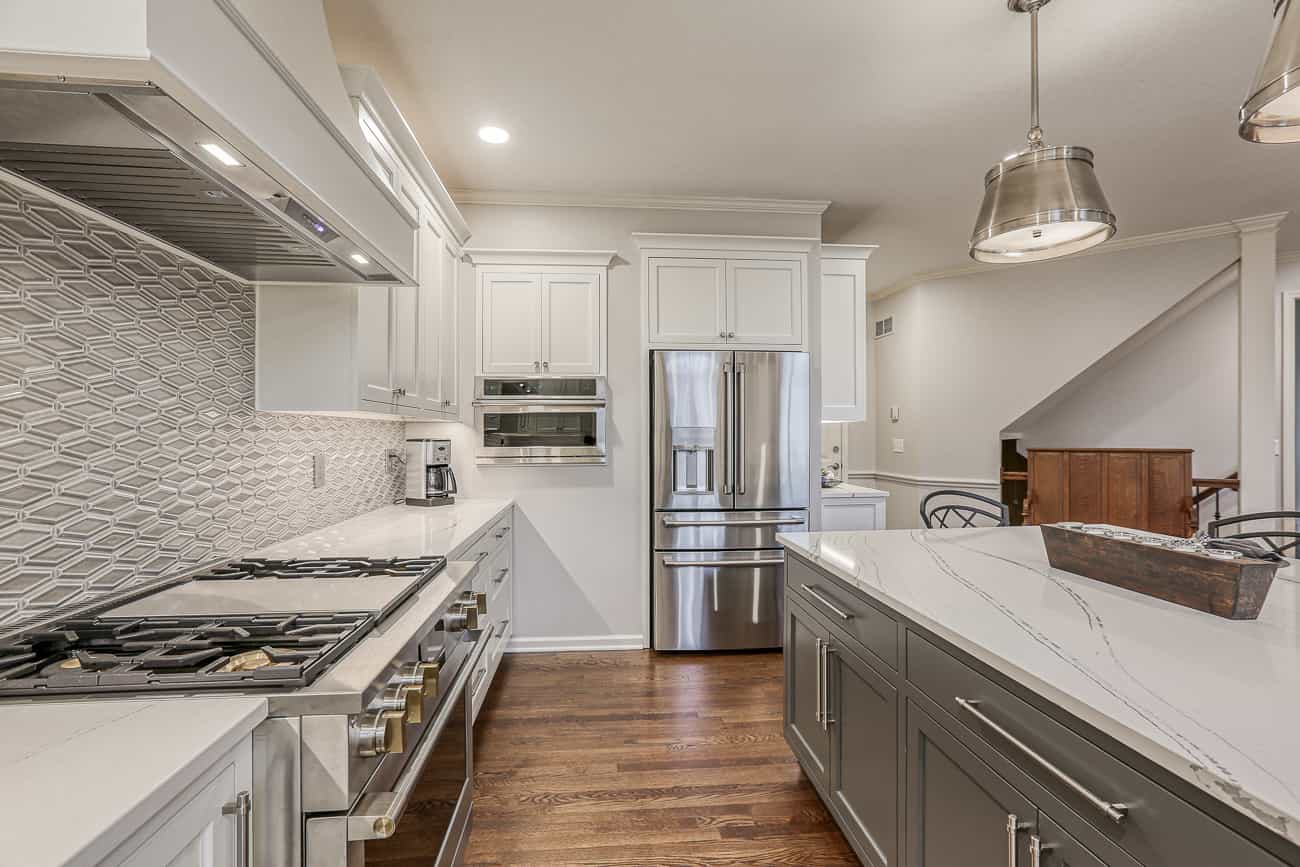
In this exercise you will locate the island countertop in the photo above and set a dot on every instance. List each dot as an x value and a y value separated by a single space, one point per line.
1214 701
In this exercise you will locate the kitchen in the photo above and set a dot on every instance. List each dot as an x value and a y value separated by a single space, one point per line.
218 389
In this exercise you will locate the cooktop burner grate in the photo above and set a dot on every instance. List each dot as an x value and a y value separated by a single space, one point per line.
327 567
176 653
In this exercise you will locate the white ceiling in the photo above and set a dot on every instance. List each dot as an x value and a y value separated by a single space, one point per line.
893 111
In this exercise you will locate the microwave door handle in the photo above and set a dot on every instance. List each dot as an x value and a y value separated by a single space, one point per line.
377 813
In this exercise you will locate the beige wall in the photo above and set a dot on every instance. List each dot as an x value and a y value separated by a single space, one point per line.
579 540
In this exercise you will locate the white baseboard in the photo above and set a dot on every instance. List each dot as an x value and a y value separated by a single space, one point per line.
562 643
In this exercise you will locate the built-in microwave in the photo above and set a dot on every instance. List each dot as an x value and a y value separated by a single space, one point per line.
540 420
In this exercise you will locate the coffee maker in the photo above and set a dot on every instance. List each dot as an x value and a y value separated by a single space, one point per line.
429 478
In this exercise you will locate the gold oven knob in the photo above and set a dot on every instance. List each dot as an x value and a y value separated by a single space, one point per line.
406 699
465 616
477 600
420 674
381 732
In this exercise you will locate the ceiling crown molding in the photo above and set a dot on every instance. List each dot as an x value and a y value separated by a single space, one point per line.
808 207
1194 233
848 251
567 258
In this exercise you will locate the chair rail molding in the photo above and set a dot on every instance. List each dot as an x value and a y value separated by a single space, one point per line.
924 481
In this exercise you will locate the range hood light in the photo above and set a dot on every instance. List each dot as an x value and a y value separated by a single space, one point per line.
221 154
359 259
1043 202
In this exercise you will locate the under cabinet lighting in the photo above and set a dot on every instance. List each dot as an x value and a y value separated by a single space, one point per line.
359 259
221 154
493 134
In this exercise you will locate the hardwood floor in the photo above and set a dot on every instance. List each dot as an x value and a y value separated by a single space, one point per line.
642 759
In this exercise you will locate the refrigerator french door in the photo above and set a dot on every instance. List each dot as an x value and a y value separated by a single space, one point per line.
730 469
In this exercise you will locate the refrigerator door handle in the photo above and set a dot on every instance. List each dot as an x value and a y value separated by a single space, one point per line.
741 455
728 399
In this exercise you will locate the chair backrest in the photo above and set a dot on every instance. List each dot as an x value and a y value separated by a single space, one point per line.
1279 541
963 509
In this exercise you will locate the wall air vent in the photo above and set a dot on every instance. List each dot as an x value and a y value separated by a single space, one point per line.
884 327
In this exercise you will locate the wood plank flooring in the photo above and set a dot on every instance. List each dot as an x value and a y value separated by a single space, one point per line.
635 758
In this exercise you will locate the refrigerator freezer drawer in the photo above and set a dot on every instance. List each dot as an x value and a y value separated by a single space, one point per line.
712 531
718 600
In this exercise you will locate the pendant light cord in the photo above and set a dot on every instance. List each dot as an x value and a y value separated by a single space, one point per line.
1035 131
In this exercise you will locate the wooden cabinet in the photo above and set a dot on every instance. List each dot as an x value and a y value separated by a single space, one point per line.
844 332
725 291
541 312
1146 489
201 826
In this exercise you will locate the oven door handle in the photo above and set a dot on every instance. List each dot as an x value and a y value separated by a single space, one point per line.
524 403
377 813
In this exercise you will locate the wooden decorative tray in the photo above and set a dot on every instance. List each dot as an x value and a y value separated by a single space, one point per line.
1234 589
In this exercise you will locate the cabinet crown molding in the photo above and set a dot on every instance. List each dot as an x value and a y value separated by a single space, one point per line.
573 258
848 251
761 243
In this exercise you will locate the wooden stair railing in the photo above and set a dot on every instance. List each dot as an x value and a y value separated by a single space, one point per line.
1207 488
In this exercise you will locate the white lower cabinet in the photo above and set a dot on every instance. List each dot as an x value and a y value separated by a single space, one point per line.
496 579
864 509
201 827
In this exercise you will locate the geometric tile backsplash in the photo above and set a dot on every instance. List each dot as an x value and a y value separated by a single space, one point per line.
129 446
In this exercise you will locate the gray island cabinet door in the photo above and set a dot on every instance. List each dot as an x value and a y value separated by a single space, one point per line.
806 732
864 755
1056 848
959 812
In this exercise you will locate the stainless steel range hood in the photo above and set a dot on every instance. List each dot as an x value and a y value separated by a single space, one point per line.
277 196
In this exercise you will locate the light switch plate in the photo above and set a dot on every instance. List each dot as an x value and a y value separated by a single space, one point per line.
898 445
318 471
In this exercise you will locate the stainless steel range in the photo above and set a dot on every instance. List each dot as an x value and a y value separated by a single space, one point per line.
364 664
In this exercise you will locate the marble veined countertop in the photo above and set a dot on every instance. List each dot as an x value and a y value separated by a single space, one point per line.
397 531
1215 701
76 780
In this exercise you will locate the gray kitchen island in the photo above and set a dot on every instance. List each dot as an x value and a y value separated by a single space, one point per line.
959 703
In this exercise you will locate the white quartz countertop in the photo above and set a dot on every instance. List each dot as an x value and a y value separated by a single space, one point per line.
848 489
77 779
397 531
1215 701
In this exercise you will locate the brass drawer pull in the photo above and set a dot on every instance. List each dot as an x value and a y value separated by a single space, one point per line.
1115 812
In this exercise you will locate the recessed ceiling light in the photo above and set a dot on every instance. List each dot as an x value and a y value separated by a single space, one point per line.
223 156
359 259
493 134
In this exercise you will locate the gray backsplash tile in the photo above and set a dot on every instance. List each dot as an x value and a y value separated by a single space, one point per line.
129 446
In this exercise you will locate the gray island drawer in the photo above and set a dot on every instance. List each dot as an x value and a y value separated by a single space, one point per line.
848 611
1159 829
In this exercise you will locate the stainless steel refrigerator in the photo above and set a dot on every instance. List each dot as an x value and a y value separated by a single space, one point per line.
729 470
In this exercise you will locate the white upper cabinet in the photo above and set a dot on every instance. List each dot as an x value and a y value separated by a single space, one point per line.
725 291
511 333
389 350
844 332
541 312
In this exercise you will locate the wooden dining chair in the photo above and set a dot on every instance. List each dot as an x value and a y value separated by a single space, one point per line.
963 509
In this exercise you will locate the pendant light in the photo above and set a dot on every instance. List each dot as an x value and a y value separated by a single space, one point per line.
1272 111
1043 202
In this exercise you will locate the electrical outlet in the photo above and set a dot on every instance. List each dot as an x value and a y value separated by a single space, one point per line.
894 414
318 471
898 445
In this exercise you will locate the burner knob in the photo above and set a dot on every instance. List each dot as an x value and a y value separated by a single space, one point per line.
420 674
462 617
404 698
381 732
478 600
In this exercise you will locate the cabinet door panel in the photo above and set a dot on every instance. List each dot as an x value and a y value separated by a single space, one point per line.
571 316
448 343
1086 494
957 807
429 269
1047 487
765 301
404 326
1124 489
687 304
844 340
1169 487
197 834
804 732
374 374
864 754
1058 849
512 311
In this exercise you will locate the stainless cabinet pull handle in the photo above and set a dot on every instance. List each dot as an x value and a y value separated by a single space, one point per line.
686 564
1037 848
731 335
502 533
827 719
1014 827
480 555
839 612
546 365
537 365
742 522
817 714
1115 812
241 808
722 334
501 577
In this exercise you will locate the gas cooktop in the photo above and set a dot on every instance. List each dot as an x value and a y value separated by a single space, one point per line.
327 567
96 654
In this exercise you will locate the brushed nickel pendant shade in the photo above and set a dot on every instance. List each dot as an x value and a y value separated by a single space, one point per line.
1043 202
1272 111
